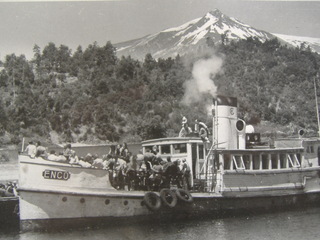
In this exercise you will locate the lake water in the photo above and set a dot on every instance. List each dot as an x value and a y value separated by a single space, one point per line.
293 225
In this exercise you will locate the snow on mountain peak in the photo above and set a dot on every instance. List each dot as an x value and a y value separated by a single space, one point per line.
313 43
214 26
183 26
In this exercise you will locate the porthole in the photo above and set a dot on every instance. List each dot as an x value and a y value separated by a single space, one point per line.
64 199
142 203
82 200
125 202
107 201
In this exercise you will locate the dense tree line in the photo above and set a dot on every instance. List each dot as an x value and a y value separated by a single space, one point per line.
93 95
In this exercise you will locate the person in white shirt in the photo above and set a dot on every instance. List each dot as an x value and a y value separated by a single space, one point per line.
31 149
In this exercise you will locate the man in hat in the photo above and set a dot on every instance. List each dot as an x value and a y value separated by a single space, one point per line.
185 130
186 175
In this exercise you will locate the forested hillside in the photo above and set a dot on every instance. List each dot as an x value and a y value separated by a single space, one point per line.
91 95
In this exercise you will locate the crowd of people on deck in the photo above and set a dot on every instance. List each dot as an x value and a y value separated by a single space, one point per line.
146 171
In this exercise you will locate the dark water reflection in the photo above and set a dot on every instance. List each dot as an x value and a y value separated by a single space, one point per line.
303 224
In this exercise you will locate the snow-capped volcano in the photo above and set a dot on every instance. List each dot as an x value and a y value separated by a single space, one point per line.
214 27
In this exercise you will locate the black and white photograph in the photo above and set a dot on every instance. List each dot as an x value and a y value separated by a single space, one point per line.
159 119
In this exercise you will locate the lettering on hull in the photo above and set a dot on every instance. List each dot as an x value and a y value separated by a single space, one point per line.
56 175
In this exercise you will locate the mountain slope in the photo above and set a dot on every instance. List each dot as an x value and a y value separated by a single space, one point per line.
214 27
313 43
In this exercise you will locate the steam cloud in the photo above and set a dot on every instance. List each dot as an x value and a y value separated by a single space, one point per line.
202 84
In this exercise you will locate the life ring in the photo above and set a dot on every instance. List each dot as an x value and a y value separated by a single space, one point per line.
183 195
152 201
168 197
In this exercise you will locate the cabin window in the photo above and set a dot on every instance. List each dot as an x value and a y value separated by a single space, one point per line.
148 148
256 162
283 160
179 148
238 162
311 149
201 155
246 161
200 167
227 161
293 160
165 149
298 155
265 161
274 161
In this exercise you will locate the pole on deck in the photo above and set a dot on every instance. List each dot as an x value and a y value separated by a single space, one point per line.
22 147
317 107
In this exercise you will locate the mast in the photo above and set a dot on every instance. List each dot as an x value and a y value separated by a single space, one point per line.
317 107
214 125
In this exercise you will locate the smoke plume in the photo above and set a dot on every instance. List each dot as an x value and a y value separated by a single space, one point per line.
202 83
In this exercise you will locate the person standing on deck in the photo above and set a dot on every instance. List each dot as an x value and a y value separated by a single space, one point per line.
124 151
118 150
185 130
186 174
171 173
70 154
203 132
31 149
155 150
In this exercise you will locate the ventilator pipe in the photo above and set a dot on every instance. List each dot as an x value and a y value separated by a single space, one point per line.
301 133
241 133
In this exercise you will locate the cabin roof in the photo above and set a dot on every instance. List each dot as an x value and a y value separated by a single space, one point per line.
171 140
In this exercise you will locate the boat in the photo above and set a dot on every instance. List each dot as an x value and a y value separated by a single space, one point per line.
233 173
9 206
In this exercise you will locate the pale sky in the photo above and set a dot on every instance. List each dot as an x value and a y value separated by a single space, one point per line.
24 24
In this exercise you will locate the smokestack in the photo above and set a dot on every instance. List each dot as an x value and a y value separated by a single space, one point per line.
228 130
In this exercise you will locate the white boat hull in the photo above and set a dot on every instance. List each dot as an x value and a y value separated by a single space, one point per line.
54 195
58 210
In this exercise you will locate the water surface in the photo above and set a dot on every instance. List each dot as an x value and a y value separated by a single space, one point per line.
293 225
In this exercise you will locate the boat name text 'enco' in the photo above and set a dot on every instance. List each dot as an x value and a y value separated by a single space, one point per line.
57 175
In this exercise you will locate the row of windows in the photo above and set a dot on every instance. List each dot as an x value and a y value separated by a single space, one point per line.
169 148
261 162
310 149
172 149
